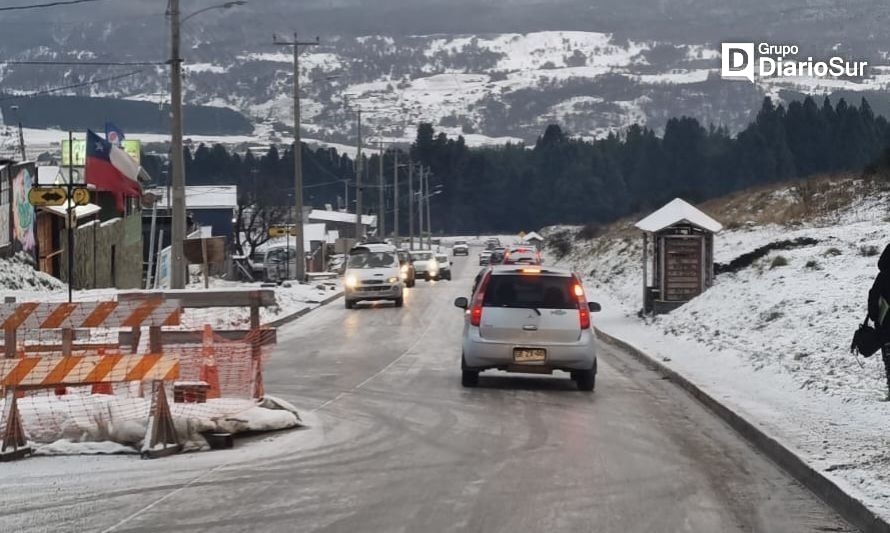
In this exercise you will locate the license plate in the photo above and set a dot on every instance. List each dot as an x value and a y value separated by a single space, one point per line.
527 355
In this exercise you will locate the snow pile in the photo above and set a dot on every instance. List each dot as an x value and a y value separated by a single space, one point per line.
17 273
104 424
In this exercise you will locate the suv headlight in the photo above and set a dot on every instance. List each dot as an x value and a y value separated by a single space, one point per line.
351 282
393 280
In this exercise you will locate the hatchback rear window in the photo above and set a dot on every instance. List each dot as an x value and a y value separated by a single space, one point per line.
527 291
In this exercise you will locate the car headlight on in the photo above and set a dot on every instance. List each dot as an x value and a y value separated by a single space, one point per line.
351 282
393 280
434 267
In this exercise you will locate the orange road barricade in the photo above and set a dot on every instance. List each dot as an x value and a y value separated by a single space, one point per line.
42 352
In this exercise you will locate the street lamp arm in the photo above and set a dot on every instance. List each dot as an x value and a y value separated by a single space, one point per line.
226 5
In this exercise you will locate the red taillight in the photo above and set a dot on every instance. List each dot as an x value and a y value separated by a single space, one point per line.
478 299
583 311
476 315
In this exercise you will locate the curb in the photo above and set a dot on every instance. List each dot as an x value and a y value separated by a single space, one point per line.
290 318
850 508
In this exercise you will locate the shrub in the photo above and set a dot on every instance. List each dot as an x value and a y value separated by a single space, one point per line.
832 252
778 261
869 250
812 264
590 231
561 244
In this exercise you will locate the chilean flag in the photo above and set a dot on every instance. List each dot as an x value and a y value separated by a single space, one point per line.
111 169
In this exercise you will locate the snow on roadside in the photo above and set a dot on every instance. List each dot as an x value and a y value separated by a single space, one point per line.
83 423
771 340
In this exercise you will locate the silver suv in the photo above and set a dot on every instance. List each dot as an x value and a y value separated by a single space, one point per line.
529 319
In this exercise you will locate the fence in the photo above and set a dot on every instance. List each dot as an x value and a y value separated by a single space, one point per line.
72 374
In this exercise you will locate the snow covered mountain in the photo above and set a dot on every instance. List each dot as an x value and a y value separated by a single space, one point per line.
490 87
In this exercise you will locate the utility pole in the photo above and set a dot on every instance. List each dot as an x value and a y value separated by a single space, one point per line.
298 156
381 199
177 233
410 202
429 224
358 180
22 135
71 219
395 202
420 209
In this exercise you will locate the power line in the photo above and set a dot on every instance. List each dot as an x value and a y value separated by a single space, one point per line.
48 4
74 86
91 63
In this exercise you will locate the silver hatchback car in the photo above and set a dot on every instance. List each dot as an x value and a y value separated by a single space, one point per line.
529 319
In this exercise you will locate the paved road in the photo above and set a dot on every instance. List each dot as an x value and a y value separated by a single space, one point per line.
396 444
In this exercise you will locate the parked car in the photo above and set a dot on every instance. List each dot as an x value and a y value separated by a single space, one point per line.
444 267
522 255
280 263
484 257
528 319
425 264
373 272
406 268
460 248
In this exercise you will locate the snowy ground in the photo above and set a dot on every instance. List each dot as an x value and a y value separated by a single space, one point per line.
772 340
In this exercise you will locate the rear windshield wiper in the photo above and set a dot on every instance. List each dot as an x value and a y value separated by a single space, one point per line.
535 309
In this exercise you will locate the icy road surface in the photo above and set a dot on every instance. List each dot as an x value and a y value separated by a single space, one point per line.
396 444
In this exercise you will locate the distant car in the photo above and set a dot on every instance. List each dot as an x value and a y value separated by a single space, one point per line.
460 248
425 264
484 257
522 255
497 256
444 267
373 273
528 319
406 268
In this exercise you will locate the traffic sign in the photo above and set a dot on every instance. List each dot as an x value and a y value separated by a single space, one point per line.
80 196
281 231
47 196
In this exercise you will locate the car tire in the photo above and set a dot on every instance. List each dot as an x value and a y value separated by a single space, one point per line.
400 301
409 283
349 304
468 376
585 379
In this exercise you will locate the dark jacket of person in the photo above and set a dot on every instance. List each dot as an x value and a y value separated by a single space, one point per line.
881 288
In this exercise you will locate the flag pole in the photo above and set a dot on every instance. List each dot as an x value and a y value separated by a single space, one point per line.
70 211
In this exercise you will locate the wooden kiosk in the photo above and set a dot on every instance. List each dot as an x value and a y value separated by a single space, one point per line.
682 266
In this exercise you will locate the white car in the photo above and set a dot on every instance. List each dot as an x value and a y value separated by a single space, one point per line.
373 273
528 319
444 267
460 248
425 264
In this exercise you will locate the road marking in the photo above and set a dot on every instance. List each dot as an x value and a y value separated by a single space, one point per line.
381 371
319 408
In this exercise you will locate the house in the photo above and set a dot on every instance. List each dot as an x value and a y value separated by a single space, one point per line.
106 241
343 222
534 239
207 205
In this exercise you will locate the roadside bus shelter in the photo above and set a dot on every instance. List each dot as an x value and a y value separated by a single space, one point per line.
682 263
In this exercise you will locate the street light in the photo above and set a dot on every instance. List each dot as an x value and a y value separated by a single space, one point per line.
177 233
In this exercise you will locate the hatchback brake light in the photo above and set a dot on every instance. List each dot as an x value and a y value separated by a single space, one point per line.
478 298
583 311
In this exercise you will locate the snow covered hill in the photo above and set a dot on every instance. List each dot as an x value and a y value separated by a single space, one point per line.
488 87
771 339
793 310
